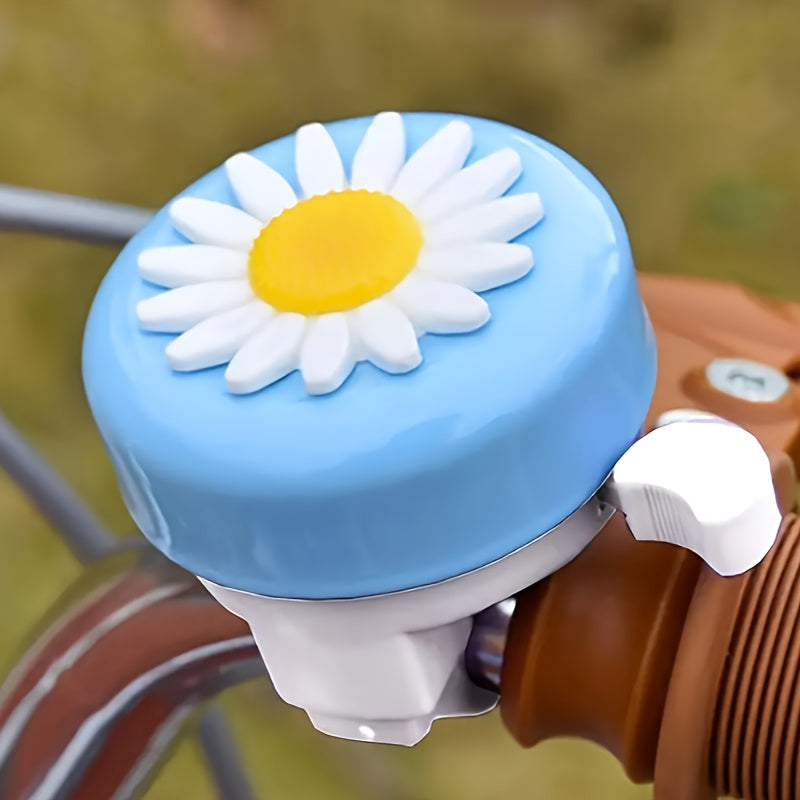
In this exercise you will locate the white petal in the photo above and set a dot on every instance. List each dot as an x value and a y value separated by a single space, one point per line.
328 356
387 336
479 266
209 222
262 191
317 161
268 355
440 307
179 309
183 264
380 154
496 221
484 180
436 160
216 339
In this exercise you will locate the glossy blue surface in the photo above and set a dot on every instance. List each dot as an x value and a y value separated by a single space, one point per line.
391 481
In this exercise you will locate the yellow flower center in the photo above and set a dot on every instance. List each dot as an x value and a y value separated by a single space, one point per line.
334 252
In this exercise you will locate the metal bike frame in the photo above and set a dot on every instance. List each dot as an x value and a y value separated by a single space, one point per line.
204 669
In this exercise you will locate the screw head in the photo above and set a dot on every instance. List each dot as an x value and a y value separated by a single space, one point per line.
747 380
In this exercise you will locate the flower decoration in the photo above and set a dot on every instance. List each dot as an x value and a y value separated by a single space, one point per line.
350 270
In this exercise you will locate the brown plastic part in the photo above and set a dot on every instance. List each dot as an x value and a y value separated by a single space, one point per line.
755 733
590 649
698 320
783 478
692 680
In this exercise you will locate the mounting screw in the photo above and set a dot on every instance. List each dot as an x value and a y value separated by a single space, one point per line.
747 380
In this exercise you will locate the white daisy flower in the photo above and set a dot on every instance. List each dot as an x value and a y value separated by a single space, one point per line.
348 271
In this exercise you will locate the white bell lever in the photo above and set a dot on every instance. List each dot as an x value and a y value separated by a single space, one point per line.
704 484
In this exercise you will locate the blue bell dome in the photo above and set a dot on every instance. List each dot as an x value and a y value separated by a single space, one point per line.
386 481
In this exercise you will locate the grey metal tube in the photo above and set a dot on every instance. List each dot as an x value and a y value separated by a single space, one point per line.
223 760
487 642
83 533
80 218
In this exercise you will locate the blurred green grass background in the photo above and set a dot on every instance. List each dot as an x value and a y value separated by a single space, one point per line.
688 112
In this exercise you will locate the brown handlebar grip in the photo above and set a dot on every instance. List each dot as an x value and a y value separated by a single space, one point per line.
692 680
755 736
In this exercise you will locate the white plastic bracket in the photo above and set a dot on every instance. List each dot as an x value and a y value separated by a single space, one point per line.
383 668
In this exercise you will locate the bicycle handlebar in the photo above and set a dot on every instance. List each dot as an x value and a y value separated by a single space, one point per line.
77 720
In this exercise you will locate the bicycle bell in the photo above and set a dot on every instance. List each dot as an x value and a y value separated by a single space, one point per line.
369 379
